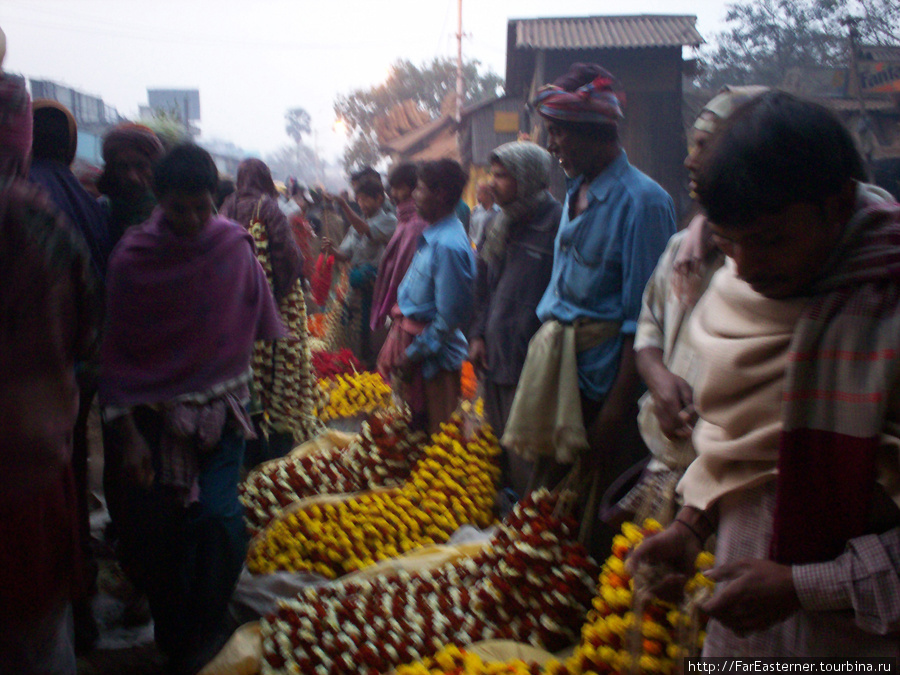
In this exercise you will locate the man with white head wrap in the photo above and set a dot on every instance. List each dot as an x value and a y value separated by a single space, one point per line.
514 270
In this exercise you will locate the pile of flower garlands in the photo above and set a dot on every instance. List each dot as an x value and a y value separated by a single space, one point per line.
330 364
453 660
351 394
611 640
383 454
453 484
282 369
533 583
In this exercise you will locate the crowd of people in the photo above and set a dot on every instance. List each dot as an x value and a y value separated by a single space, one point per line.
753 354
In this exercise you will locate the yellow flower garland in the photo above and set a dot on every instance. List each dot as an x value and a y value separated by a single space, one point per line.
454 484
351 394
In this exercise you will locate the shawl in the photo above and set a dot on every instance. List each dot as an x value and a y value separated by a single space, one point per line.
738 343
82 210
15 126
593 103
546 416
395 261
529 164
255 197
183 312
843 366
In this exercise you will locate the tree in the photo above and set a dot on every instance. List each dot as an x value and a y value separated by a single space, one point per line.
427 84
298 160
168 126
765 38
298 124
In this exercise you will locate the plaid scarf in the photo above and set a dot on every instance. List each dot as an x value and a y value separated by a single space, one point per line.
842 367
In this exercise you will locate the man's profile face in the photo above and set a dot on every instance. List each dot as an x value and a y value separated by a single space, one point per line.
781 254
503 185
428 202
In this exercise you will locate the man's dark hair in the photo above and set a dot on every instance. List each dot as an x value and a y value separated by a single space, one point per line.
774 151
406 174
445 176
357 176
51 135
370 186
186 168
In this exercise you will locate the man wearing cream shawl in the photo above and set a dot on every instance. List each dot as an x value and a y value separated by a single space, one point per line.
797 470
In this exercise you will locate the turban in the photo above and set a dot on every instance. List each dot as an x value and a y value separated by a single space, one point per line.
593 103
131 137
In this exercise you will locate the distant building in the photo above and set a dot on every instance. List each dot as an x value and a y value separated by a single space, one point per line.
92 116
869 105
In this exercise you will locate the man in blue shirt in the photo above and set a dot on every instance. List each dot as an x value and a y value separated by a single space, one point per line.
425 349
577 395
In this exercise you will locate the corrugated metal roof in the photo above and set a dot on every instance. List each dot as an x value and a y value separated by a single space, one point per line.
878 53
595 32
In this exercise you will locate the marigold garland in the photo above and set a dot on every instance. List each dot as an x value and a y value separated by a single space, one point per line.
610 642
468 381
382 454
532 584
453 660
315 324
453 484
351 394
282 368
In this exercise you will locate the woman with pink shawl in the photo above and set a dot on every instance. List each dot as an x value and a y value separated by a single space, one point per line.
401 248
186 300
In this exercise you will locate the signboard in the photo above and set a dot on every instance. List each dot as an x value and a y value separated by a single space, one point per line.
879 77
185 103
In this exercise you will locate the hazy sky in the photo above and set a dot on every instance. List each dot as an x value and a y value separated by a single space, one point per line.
254 59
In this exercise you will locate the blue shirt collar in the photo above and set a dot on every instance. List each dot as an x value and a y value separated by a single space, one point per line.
601 185
434 230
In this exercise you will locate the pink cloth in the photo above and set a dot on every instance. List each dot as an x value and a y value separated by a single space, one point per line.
393 352
395 262
183 312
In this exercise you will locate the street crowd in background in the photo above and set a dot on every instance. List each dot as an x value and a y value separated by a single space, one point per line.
744 369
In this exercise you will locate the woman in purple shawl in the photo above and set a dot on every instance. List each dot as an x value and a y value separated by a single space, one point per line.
255 198
186 300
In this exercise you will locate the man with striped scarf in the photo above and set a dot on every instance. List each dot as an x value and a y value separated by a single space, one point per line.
798 467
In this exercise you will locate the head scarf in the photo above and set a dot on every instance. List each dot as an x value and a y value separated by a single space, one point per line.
124 137
530 165
15 127
697 248
41 148
595 102
254 179
723 104
131 136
